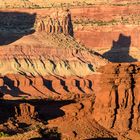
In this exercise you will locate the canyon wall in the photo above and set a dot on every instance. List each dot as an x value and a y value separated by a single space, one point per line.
117 102
103 37
98 26
115 87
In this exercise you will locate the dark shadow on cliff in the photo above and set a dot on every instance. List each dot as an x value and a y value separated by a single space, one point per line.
45 109
14 25
9 88
70 25
30 112
51 134
120 50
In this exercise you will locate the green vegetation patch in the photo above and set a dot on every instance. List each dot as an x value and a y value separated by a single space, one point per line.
3 134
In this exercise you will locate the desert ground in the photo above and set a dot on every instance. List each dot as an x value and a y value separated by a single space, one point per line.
69 70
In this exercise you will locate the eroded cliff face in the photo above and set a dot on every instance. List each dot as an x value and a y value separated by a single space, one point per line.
114 90
96 27
117 102
54 66
46 65
51 87
45 54
101 26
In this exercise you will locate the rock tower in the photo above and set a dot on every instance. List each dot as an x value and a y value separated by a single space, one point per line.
58 22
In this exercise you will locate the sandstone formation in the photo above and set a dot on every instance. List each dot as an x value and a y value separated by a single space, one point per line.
34 118
48 80
25 112
48 54
106 22
89 25
47 65
117 102
20 86
109 22
114 104
57 22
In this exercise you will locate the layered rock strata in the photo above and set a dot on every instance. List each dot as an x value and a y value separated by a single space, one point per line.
56 22
48 55
117 101
19 86
45 65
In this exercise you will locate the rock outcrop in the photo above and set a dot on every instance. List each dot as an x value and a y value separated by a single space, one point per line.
117 102
47 65
57 22
47 54
20 86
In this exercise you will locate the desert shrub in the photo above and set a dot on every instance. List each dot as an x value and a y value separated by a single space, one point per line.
3 134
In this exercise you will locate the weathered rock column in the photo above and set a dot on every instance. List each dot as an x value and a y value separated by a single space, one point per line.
40 26
136 119
117 103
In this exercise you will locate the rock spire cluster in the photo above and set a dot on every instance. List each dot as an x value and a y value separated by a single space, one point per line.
58 22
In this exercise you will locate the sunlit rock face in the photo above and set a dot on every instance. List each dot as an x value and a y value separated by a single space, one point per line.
57 22
42 65
117 102
47 54
42 55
